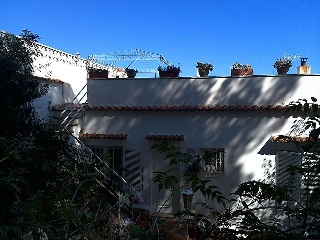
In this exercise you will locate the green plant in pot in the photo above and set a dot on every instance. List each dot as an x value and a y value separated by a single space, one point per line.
204 69
284 64
239 69
97 73
131 73
169 71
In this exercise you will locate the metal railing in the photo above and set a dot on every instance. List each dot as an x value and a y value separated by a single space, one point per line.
87 157
74 107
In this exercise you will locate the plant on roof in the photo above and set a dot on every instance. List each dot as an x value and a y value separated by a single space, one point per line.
239 69
237 65
169 68
131 73
284 64
169 71
205 66
131 70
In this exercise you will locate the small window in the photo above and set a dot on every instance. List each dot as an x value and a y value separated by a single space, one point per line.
125 162
98 151
113 156
213 162
115 159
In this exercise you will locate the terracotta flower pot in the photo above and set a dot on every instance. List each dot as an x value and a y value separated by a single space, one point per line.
98 73
282 70
203 72
131 73
242 72
165 74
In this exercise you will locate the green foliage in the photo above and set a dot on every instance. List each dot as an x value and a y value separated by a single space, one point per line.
18 88
285 62
170 179
205 66
169 68
165 180
237 65
45 181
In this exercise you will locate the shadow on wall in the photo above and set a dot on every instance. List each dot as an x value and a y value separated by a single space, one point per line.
217 91
244 134
67 93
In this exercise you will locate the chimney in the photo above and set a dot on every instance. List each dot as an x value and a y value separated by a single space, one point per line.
304 69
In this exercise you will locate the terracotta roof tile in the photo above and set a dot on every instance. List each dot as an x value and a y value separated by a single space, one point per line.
167 137
190 108
287 139
48 79
103 136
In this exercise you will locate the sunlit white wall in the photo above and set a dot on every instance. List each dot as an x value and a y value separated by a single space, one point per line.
245 134
66 74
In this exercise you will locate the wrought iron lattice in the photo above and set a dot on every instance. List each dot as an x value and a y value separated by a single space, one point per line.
143 61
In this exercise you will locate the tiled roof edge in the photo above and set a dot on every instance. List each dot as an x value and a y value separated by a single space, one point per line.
190 108
164 137
103 136
48 79
288 139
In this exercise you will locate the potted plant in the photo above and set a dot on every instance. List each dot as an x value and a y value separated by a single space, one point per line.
131 73
241 69
204 69
97 73
284 64
169 71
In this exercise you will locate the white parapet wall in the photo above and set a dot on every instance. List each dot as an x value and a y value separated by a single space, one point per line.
260 90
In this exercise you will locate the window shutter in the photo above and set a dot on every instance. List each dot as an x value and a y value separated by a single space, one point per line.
132 168
284 160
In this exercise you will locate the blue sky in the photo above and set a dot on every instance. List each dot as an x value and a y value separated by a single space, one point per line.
220 32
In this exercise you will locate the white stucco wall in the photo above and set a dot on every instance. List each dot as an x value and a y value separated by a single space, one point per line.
245 135
52 98
55 64
199 91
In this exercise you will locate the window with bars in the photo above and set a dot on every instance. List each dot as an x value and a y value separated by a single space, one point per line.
213 162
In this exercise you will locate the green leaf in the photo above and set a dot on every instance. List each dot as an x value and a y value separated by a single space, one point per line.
315 108
306 107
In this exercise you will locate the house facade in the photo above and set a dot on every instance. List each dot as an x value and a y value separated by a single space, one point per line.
236 118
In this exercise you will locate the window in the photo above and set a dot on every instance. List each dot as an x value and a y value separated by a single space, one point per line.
213 163
98 151
125 162
112 156
302 185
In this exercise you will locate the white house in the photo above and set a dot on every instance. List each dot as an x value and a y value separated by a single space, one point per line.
237 117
